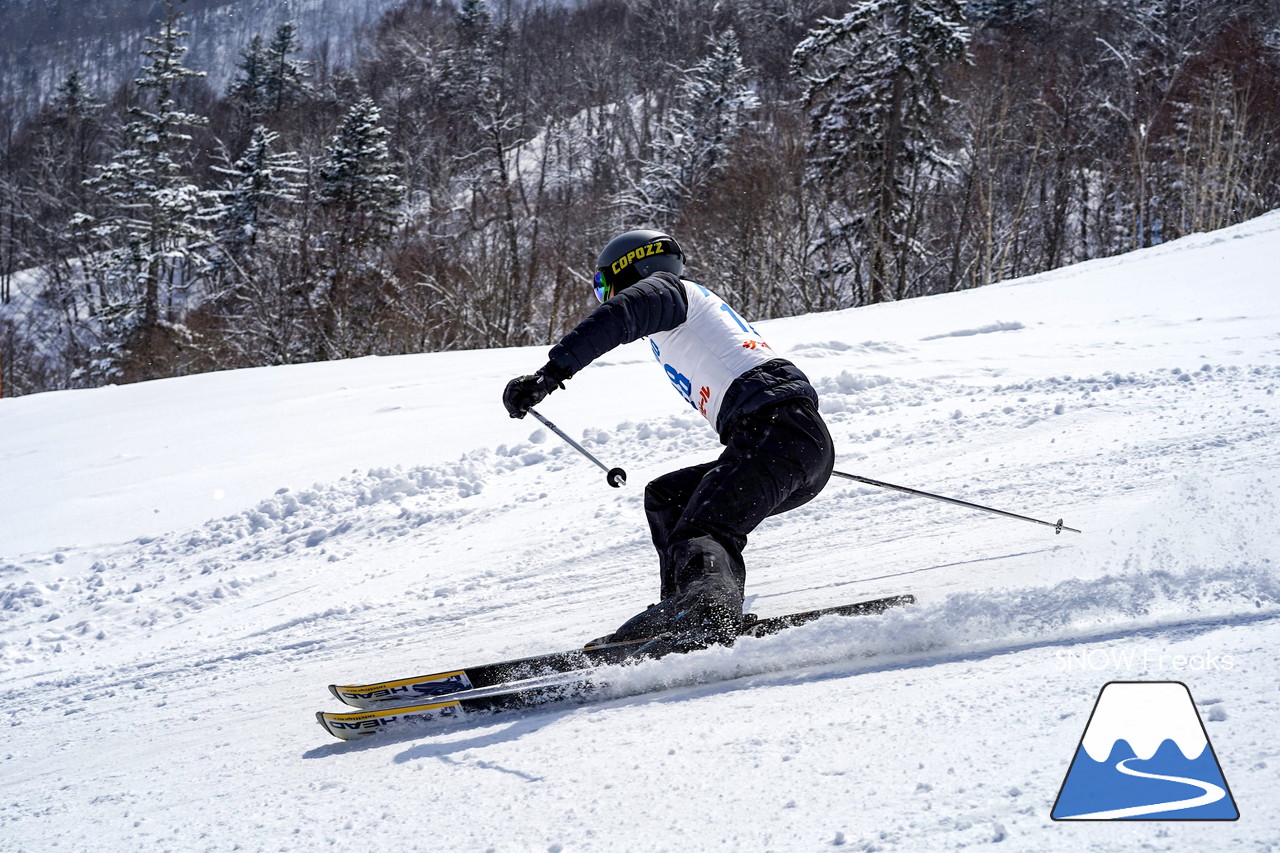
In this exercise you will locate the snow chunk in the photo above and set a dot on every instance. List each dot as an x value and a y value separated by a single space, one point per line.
980 330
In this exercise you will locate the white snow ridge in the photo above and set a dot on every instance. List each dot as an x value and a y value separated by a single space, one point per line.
186 564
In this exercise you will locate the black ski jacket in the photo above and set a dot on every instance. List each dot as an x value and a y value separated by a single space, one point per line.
659 303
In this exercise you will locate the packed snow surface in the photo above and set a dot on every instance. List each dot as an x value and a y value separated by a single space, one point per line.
186 564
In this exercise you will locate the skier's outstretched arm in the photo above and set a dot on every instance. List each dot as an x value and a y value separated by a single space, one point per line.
655 304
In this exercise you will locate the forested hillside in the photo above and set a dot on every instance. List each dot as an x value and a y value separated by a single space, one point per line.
450 187
41 40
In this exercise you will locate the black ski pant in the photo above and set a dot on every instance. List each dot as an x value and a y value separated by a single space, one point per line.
774 460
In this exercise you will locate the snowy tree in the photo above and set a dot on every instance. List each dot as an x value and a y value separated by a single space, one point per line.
73 101
475 27
361 195
268 78
67 148
152 230
505 238
34 209
1151 54
713 105
10 236
246 91
1001 13
468 81
257 301
285 78
358 184
261 184
874 91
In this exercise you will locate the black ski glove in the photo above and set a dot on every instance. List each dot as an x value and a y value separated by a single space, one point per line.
525 392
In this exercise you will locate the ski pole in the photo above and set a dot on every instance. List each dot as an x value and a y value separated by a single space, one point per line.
1058 527
613 476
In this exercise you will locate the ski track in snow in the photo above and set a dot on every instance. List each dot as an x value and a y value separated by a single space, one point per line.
150 582
139 671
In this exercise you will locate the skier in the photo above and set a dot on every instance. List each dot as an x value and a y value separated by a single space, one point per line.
778 453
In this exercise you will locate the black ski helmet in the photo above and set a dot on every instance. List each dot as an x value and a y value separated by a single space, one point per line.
631 256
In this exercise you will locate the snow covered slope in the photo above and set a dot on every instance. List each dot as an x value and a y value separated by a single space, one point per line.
185 564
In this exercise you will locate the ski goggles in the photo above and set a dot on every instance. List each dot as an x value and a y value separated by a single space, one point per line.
602 287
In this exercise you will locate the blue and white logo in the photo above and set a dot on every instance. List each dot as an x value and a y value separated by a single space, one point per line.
1145 755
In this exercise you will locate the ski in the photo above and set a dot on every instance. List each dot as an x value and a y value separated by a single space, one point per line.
423 687
765 627
521 682
523 693
435 685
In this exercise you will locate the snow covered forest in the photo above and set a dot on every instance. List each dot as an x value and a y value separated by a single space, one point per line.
448 188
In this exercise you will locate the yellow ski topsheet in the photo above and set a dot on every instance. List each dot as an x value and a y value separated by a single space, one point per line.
358 724
418 687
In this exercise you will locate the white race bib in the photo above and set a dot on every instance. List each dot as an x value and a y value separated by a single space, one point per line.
708 351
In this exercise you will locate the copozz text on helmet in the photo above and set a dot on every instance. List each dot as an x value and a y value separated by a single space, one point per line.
657 247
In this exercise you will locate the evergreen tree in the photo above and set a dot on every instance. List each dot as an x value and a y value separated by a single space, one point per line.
269 79
713 103
153 230
285 78
73 101
260 300
58 159
358 184
247 88
475 26
468 81
361 196
64 150
261 184
874 91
